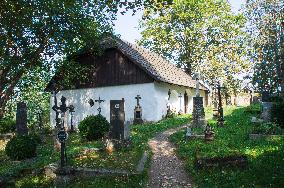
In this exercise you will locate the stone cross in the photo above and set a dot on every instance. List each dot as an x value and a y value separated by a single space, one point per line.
180 96
197 77
21 119
137 98
99 101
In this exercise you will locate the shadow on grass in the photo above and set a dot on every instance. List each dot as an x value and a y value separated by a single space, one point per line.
266 157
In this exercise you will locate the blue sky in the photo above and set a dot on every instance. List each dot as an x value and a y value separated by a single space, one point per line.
127 25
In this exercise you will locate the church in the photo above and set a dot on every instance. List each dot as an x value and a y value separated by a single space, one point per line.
128 72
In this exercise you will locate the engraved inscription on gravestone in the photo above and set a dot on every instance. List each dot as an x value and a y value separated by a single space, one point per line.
137 111
21 119
117 119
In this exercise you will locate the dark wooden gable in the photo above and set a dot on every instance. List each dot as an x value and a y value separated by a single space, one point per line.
114 68
111 69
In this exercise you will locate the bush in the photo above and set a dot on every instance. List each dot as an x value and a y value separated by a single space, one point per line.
267 128
21 147
277 113
7 125
212 123
254 109
93 127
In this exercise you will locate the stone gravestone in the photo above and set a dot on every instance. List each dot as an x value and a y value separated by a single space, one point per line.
265 107
118 129
266 111
198 113
21 119
265 96
138 112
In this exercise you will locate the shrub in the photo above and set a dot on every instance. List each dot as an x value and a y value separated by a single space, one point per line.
267 128
93 127
277 113
253 109
21 147
212 123
7 125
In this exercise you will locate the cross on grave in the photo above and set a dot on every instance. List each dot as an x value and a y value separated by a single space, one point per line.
197 77
180 96
99 101
137 99
61 135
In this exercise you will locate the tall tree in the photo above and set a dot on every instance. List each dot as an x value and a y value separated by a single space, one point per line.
266 27
34 32
199 36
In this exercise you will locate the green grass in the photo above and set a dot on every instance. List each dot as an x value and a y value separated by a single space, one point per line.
126 158
266 157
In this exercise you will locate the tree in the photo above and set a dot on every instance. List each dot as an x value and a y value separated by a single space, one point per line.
200 36
266 27
34 34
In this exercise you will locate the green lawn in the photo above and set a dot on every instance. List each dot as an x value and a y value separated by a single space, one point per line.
123 159
266 157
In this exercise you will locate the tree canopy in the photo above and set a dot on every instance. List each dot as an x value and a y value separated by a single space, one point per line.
200 36
266 27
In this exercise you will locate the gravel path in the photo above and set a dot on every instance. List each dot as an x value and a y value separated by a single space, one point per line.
166 169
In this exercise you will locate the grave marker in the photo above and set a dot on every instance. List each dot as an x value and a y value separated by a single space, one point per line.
21 119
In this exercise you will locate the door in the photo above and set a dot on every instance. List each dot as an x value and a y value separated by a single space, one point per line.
117 118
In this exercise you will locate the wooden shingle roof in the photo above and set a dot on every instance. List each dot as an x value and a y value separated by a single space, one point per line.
155 65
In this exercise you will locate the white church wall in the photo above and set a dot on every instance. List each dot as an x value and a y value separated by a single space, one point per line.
174 102
80 97
154 100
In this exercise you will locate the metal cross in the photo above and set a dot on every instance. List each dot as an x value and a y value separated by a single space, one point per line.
99 101
137 98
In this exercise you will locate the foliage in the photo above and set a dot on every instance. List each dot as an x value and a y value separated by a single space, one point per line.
212 123
21 147
34 181
253 109
93 127
264 156
126 158
202 36
277 113
267 128
43 32
7 125
266 28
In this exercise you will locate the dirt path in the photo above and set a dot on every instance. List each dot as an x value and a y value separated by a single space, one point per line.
166 169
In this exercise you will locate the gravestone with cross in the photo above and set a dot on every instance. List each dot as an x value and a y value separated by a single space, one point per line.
198 113
137 112
118 129
180 109
99 101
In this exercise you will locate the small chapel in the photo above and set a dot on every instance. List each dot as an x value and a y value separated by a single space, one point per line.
147 83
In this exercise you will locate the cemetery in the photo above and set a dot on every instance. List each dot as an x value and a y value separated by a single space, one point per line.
191 96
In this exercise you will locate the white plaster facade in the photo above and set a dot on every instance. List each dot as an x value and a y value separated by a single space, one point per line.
154 100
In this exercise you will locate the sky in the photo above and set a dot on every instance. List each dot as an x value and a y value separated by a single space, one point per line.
127 25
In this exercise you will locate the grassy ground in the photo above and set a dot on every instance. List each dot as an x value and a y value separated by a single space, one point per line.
123 159
266 157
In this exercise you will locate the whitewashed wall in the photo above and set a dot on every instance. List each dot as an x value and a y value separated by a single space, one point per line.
174 102
154 100
80 97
